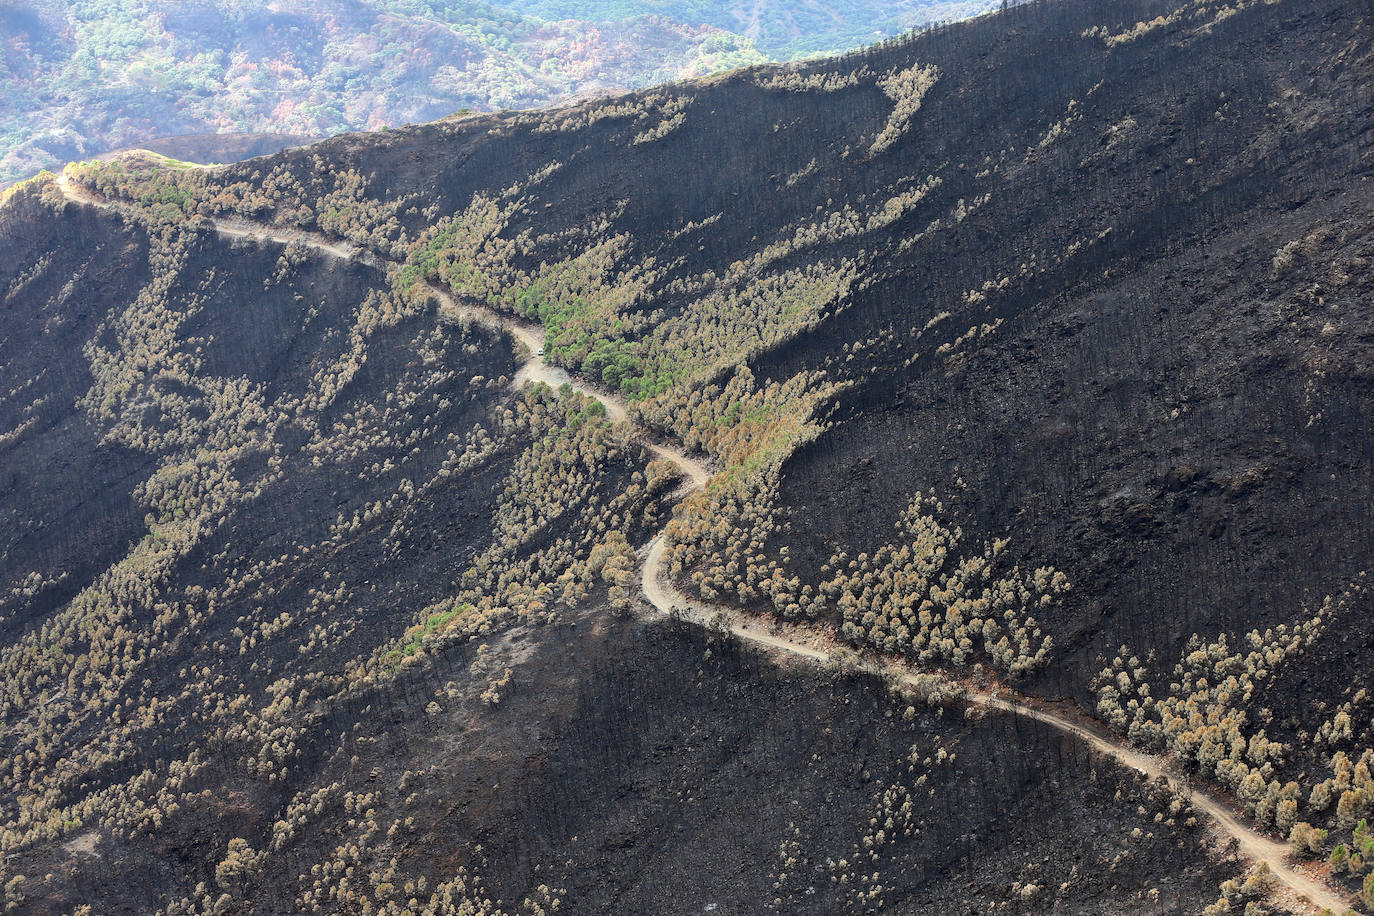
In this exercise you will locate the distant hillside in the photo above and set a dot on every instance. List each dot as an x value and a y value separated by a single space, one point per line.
84 77
779 28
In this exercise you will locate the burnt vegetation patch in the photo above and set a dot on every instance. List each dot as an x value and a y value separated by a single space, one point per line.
1031 351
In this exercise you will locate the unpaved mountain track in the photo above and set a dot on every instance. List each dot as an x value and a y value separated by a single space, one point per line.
535 368
666 598
1251 844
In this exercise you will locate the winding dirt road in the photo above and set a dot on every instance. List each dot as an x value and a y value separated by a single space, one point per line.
666 598
534 369
1251 844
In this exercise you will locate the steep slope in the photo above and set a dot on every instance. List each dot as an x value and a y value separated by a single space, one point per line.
1264 852
561 760
249 484
1007 346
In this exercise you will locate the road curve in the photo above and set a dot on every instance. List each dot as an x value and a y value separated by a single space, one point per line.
662 595
1252 844
534 368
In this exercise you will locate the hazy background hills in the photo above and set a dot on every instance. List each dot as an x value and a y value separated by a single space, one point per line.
84 77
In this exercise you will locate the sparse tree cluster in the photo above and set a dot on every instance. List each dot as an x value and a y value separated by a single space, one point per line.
561 476
907 89
1244 894
793 80
927 598
1205 719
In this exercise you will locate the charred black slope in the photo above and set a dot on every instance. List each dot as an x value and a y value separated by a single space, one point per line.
1092 274
1125 329
1176 414
65 536
662 770
216 454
